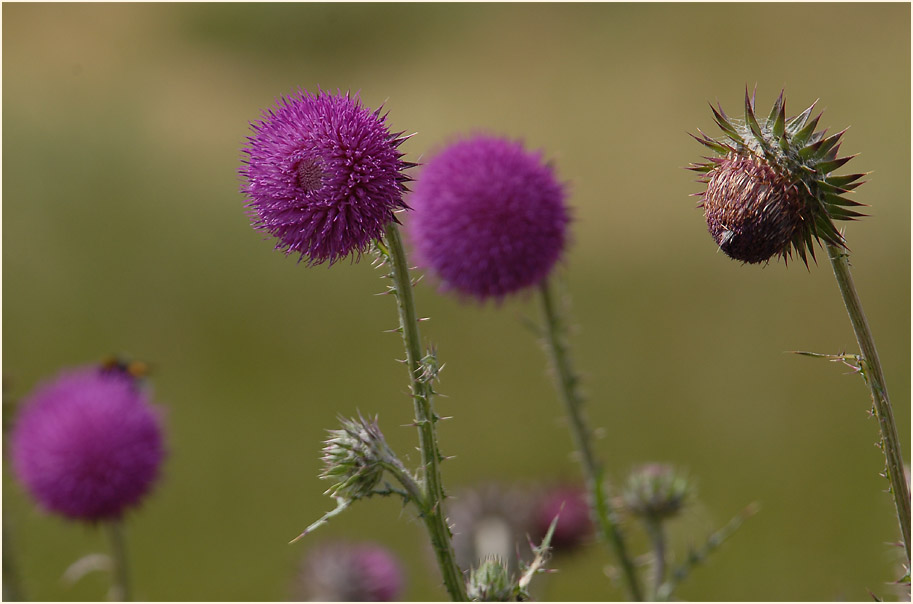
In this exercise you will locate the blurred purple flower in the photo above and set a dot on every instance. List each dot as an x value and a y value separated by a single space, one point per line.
489 218
88 444
351 572
574 524
323 175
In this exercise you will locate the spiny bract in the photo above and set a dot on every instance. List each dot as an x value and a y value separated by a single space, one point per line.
771 189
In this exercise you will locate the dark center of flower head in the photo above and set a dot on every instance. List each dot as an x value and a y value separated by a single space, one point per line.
752 210
309 174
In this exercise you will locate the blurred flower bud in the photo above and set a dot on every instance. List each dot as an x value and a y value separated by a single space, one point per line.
350 572
574 526
490 521
656 491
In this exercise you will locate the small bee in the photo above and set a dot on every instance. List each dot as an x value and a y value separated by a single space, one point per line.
135 369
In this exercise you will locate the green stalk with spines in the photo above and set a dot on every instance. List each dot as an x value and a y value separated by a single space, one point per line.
425 417
567 382
800 163
890 442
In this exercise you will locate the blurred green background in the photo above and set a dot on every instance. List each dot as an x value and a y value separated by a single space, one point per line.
124 231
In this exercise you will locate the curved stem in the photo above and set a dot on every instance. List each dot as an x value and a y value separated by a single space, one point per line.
120 588
425 419
890 443
602 513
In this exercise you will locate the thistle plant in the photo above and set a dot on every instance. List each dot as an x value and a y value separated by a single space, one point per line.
324 176
89 446
490 220
772 191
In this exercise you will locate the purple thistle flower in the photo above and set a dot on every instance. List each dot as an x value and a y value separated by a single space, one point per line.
489 218
351 572
323 175
88 444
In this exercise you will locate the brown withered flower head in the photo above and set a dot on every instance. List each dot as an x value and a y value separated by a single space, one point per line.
771 190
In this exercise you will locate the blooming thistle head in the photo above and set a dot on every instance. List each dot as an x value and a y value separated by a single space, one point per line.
88 444
323 174
353 457
489 218
656 492
351 572
771 188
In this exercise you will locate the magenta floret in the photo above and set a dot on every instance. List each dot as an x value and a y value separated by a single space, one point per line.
323 175
488 217
88 445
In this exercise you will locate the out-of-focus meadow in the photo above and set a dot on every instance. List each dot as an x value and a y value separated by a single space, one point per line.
124 232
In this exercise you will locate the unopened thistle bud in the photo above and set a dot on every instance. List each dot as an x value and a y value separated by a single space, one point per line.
353 457
770 188
491 582
656 491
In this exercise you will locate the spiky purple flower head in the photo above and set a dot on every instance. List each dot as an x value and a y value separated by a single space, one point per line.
351 572
87 444
489 218
323 175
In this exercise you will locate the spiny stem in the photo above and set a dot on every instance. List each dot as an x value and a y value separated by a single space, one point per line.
602 513
698 556
890 443
433 500
658 539
120 587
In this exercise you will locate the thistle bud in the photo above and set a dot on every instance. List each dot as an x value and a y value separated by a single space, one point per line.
770 188
353 457
491 582
656 491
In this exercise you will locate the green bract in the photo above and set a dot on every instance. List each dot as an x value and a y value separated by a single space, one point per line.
770 188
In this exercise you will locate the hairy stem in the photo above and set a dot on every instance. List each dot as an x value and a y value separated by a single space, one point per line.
567 382
120 587
658 540
890 443
425 419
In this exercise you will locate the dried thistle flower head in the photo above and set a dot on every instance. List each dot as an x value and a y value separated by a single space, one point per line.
771 188
353 457
656 491
490 582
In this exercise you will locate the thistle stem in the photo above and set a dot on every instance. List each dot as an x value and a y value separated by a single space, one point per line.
120 587
658 540
890 443
425 419
567 383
